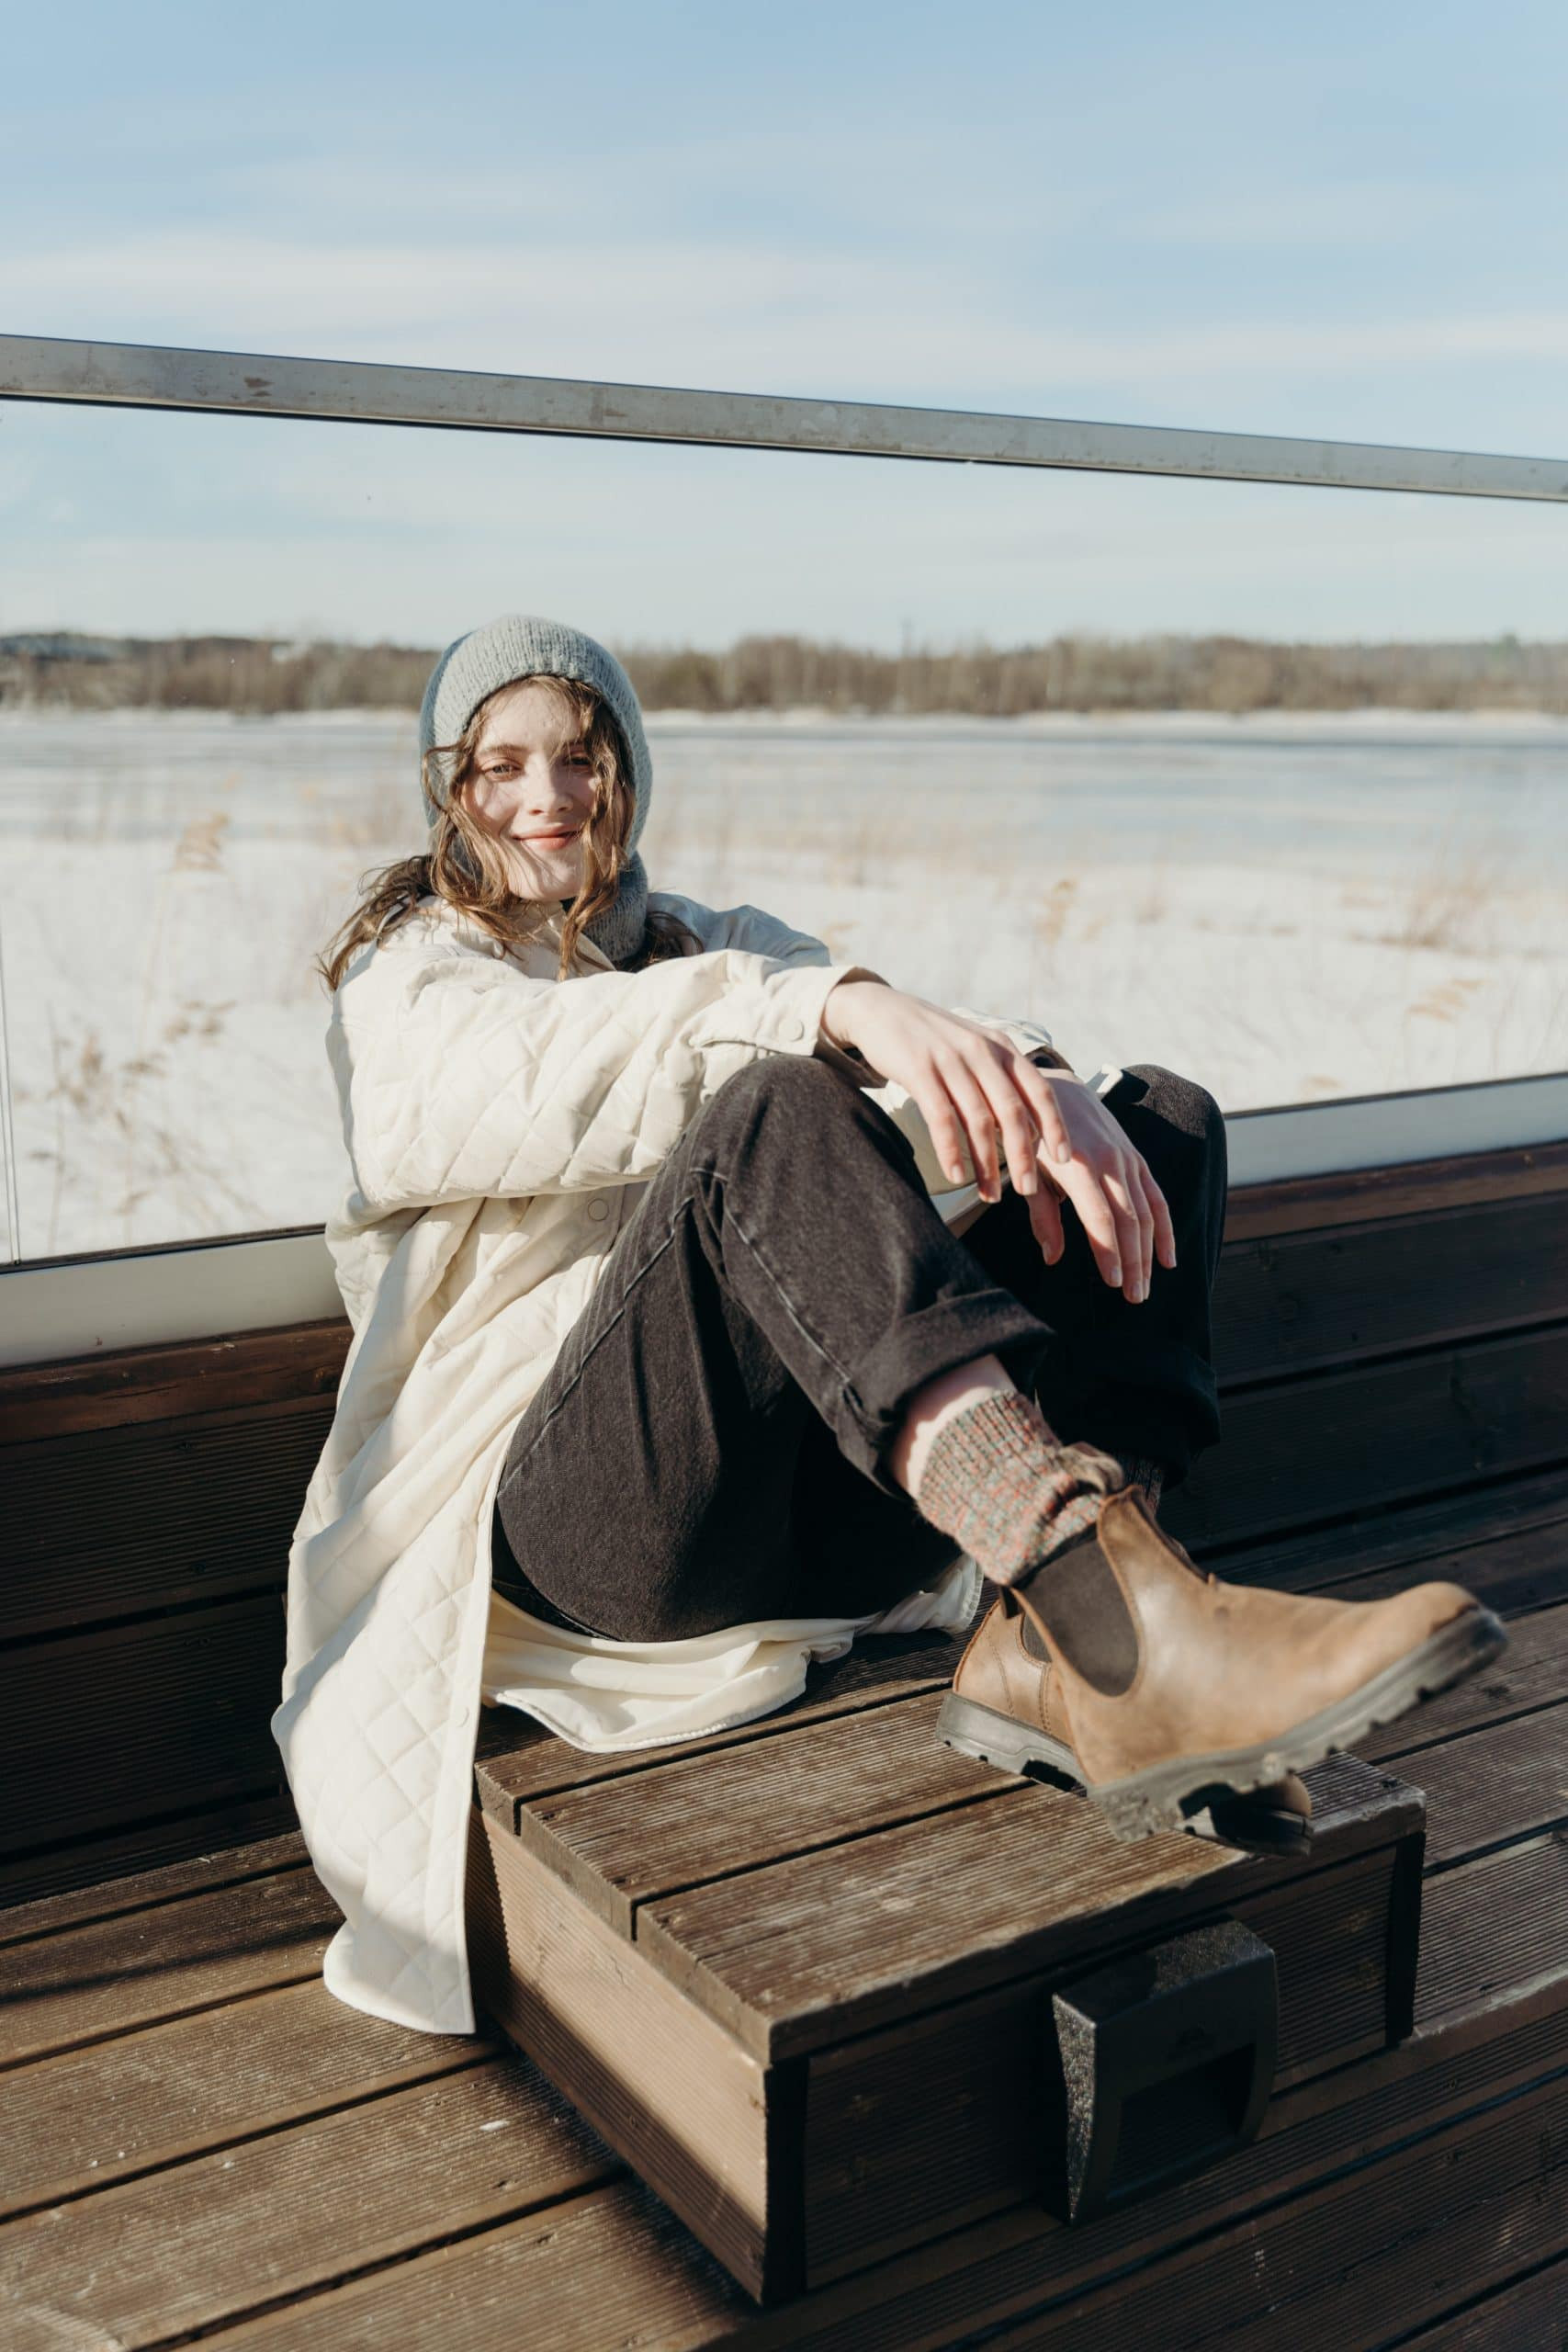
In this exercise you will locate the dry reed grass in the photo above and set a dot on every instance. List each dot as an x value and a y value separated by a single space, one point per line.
1080 673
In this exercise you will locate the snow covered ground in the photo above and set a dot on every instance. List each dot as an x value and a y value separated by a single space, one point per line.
1288 909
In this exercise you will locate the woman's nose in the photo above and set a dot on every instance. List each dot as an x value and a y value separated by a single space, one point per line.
543 784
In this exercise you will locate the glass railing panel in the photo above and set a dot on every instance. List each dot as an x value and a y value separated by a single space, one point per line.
1291 903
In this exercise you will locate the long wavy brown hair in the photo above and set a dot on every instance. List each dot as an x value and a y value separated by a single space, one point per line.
468 866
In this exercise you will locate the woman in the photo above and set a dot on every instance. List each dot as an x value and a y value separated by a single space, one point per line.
717 1301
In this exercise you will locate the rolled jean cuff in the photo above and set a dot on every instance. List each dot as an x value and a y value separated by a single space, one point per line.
931 1340
1159 1361
1157 1396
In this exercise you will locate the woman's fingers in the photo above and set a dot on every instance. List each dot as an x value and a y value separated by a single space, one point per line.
978 1100
1085 1190
1010 1111
1126 1198
1046 1222
1164 1232
988 1102
1139 1190
1124 1213
1054 1143
979 1121
937 1109
985 1102
1121 1193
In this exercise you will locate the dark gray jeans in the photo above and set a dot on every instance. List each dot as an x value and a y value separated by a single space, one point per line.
706 1448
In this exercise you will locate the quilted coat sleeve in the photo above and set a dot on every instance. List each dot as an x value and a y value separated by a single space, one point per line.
750 926
464 1076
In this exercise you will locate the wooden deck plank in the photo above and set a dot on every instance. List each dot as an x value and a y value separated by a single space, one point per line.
82 1865
190 1697
110 1898
1393 1431
1531 1673
621 1842
174 1380
1473 2207
652 2071
120 1521
1456 1534
1351 1196
1488 1787
828 1944
613 2268
78 2122
657 2247
1467 1520
1529 2316
124 1973
267 2220
1302 1302
1516 1574
467 2296
1380 2110
1492 1928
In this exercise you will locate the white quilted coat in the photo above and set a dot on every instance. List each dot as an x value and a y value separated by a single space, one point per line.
499 1127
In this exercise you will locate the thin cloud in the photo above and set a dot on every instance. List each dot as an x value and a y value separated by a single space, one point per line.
1349 214
670 312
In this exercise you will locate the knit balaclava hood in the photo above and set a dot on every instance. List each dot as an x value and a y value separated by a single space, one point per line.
523 645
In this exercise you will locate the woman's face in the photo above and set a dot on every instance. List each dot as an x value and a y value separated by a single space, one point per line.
533 788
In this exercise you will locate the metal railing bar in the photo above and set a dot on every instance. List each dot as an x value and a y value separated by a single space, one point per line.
149 375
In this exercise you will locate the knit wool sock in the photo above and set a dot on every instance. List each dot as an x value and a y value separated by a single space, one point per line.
1003 1484
1145 1472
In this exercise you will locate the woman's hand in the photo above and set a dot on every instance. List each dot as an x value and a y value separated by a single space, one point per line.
1057 1138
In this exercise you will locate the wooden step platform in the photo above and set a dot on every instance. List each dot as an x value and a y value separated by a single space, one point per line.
198 2143
803 1981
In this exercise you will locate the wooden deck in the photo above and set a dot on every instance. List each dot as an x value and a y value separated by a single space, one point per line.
198 2143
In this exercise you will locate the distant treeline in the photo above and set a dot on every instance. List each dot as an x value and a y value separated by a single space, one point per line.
1221 674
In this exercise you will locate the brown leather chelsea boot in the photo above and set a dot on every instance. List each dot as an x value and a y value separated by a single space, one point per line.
1122 1665
1007 1655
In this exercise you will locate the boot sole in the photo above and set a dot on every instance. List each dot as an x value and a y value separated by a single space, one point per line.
1165 1796
1215 1815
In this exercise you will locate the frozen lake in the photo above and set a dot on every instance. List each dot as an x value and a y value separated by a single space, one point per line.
1287 908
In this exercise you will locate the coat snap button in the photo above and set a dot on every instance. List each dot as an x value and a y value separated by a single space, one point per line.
795 1028
598 1210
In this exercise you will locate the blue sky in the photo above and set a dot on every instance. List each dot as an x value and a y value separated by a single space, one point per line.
1344 222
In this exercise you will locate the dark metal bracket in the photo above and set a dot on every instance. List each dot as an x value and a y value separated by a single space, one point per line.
1168 2058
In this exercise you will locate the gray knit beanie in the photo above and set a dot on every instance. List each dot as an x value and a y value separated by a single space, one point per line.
521 645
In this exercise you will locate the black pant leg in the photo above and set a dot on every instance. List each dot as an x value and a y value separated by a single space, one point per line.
1132 1379
784 1264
